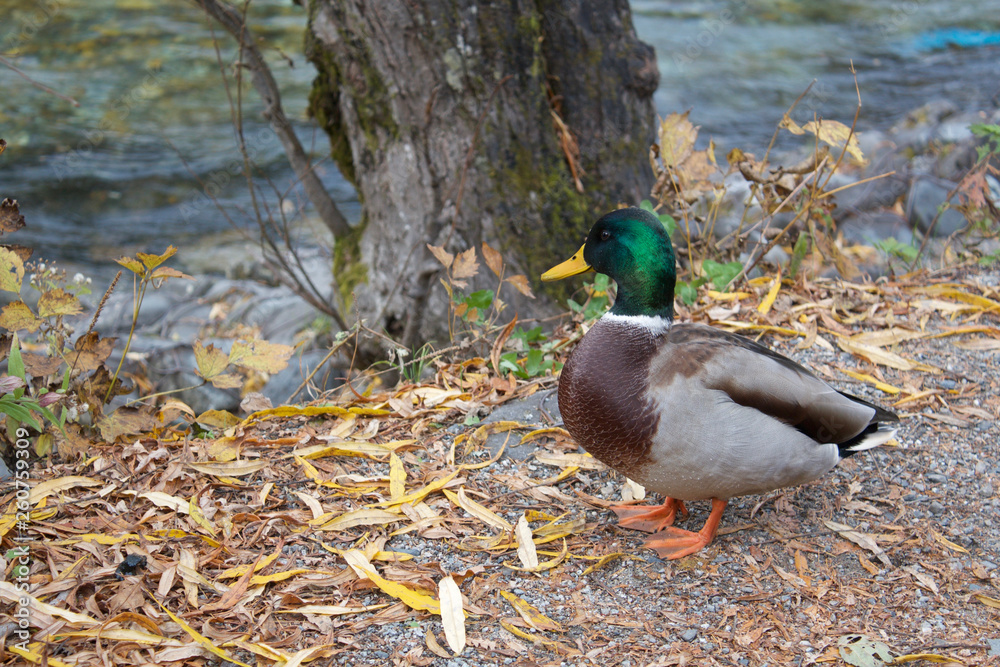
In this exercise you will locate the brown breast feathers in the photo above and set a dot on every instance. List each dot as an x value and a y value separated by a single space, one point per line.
601 394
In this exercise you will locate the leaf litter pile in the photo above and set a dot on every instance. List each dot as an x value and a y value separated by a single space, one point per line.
390 529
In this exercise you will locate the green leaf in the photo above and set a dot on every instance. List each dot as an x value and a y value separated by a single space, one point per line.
798 254
15 364
481 299
18 413
721 274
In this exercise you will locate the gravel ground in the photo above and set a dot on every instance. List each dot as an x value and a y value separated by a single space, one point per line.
783 582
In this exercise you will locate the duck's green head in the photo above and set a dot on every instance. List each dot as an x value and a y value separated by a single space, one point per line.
631 246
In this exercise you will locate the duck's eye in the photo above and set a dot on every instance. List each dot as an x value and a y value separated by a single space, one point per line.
605 235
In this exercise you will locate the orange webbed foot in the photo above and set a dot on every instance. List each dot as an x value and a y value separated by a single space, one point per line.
649 519
673 543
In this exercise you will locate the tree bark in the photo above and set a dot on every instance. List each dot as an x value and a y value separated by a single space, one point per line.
446 116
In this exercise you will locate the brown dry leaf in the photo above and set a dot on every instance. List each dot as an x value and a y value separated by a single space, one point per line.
863 540
91 351
676 137
229 468
493 259
11 219
465 265
435 647
126 421
923 580
526 552
477 510
883 357
442 255
452 614
520 283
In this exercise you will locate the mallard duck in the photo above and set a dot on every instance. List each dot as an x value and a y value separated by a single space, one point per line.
689 411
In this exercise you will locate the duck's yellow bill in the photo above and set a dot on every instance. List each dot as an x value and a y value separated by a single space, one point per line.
570 267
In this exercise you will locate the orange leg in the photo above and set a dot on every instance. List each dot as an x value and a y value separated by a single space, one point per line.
647 519
672 543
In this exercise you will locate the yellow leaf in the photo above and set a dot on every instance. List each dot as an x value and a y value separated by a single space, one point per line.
929 657
240 570
676 139
200 639
420 494
765 306
260 355
17 316
261 579
407 596
585 461
493 259
952 292
209 360
531 615
132 265
452 613
727 296
477 510
526 552
465 265
199 517
58 301
11 271
397 477
987 600
538 639
229 468
153 261
35 655
829 131
948 543
354 518
878 384
604 561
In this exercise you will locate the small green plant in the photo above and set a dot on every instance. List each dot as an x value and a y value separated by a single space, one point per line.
893 248
721 274
687 290
666 220
597 300
992 135
17 405
478 310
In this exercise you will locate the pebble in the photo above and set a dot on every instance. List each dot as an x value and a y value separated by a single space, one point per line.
689 635
935 507
936 478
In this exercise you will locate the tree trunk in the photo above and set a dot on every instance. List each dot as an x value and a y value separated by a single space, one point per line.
445 114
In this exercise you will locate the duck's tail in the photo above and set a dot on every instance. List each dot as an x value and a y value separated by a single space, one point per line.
876 434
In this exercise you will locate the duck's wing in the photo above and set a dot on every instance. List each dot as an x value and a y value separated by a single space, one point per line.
753 376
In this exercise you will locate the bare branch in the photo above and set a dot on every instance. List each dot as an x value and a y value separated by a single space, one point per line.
227 16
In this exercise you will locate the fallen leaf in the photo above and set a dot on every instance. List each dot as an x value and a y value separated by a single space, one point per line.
452 614
526 552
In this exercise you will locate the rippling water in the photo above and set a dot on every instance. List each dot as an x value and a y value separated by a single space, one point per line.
121 171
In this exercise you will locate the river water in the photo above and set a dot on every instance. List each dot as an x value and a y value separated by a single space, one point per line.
128 168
